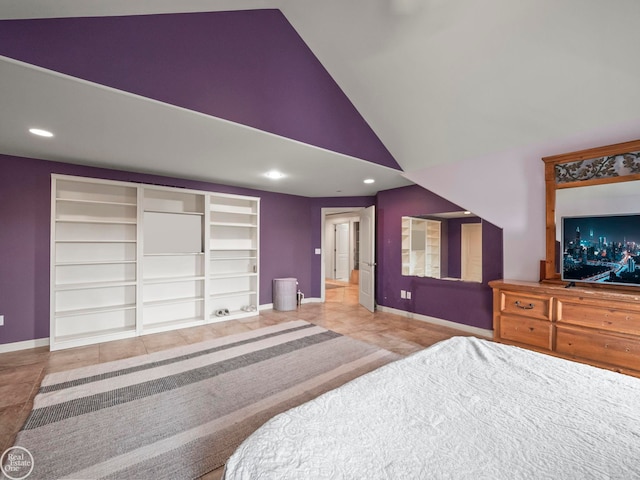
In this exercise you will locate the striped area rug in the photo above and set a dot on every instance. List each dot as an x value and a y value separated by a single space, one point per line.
181 413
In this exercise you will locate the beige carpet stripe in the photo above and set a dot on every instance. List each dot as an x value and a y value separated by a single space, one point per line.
171 443
59 396
82 372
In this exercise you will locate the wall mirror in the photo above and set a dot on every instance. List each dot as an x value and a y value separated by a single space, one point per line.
598 181
447 246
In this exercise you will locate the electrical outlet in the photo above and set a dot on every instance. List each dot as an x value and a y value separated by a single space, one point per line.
1 320
403 294
408 295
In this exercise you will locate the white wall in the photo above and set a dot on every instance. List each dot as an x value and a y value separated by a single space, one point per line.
507 189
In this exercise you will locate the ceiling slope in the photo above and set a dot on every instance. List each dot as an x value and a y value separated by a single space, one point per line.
249 67
243 80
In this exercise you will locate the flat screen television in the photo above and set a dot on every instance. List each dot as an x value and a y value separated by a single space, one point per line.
601 249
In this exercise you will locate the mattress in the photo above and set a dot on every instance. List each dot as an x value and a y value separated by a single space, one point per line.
463 409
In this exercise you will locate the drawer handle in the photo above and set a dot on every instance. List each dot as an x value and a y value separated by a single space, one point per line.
524 307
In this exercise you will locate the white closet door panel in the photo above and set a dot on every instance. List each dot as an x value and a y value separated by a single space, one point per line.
167 266
173 290
95 232
172 233
109 272
96 323
95 252
175 312
72 300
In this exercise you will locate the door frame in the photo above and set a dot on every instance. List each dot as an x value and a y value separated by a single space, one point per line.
324 211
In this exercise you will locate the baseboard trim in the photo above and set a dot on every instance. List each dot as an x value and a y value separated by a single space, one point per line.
15 346
269 306
438 321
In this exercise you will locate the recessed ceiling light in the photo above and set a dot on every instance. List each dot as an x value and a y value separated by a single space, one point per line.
369 180
274 175
40 132
467 212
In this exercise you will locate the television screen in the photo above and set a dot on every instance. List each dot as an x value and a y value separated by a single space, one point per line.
603 249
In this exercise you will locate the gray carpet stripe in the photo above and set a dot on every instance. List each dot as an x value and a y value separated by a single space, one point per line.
55 413
160 363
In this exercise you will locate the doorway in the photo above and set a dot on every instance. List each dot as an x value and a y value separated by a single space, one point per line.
341 255
341 244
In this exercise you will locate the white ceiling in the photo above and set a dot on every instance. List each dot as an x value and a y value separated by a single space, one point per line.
439 81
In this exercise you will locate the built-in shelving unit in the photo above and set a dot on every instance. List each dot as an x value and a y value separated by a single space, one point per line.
406 246
234 245
129 259
94 261
421 247
432 248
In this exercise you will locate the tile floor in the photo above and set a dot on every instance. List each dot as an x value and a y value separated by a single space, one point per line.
21 372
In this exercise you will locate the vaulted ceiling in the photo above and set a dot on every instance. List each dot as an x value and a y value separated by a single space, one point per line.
335 92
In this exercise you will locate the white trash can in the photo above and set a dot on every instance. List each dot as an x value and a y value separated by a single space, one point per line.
285 293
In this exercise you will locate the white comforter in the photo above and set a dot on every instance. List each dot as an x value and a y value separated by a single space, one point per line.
462 409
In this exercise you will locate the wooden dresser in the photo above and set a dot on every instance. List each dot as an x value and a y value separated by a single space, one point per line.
597 326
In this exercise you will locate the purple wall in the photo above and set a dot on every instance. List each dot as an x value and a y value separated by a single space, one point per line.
249 67
25 212
461 302
290 231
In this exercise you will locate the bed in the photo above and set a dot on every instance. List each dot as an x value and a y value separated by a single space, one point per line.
465 408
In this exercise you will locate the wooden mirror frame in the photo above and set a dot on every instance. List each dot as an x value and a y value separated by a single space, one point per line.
594 166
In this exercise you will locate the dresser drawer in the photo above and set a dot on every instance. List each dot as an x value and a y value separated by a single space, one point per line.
528 331
589 314
599 346
532 306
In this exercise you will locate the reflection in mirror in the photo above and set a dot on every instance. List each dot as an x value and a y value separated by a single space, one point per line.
446 246
604 199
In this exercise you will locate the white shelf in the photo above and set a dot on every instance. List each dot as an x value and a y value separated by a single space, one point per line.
99 336
95 202
234 258
233 224
174 254
173 301
90 285
233 314
97 220
235 209
234 294
91 311
160 280
95 262
95 241
177 212
129 259
220 276
172 325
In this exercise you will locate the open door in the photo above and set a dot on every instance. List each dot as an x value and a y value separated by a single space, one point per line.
367 258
